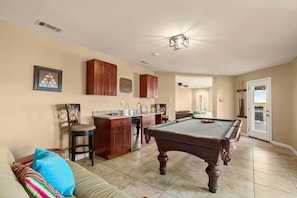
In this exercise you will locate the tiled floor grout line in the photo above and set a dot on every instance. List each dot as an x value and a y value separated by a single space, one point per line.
253 158
137 180
274 151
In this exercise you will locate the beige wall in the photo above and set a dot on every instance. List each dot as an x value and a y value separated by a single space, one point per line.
282 99
224 97
293 136
183 99
166 92
29 118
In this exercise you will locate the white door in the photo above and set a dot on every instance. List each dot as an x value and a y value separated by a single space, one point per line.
202 104
259 109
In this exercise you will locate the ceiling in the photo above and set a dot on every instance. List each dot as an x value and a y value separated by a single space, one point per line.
229 37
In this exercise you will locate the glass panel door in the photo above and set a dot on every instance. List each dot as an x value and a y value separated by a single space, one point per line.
259 103
259 109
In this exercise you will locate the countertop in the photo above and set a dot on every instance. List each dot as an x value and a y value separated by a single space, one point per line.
111 117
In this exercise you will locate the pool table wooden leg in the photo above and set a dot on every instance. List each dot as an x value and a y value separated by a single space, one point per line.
163 158
213 174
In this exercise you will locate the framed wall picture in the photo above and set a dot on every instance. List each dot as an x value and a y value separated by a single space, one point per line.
125 85
47 79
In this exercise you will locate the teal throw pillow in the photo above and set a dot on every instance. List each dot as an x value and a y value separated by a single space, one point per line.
55 171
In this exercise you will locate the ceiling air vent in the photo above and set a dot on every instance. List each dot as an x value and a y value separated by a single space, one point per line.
49 26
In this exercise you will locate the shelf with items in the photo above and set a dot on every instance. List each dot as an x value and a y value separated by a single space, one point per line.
240 116
241 90
241 100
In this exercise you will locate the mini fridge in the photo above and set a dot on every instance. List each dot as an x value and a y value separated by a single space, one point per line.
136 133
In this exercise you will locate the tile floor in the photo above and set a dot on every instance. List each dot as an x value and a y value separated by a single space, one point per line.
257 169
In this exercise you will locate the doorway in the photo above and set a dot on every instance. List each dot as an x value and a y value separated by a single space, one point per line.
259 109
202 101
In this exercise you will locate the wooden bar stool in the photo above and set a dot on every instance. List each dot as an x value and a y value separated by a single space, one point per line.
76 129
162 108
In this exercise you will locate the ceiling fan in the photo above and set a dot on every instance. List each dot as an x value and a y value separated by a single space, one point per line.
180 84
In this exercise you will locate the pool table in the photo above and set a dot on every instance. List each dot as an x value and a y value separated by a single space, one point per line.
204 138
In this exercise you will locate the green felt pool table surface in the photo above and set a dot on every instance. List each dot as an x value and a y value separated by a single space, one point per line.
197 128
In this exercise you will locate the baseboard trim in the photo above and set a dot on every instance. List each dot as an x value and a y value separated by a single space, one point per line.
278 144
244 134
285 146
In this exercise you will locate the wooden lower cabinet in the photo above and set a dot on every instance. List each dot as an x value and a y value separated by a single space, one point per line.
158 118
112 137
149 120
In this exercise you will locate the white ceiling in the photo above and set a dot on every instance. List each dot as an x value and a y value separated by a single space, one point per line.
229 37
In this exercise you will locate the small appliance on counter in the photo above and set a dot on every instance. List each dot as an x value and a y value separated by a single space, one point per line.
113 114
126 112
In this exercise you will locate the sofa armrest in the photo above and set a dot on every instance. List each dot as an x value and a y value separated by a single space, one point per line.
29 158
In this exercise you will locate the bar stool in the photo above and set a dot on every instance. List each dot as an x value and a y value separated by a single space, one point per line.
162 108
76 129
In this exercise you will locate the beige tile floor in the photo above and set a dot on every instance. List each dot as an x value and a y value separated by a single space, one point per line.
257 169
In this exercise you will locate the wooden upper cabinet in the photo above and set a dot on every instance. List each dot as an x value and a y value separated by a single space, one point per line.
101 78
148 86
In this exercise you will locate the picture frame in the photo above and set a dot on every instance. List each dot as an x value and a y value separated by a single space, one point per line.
125 85
143 109
47 79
